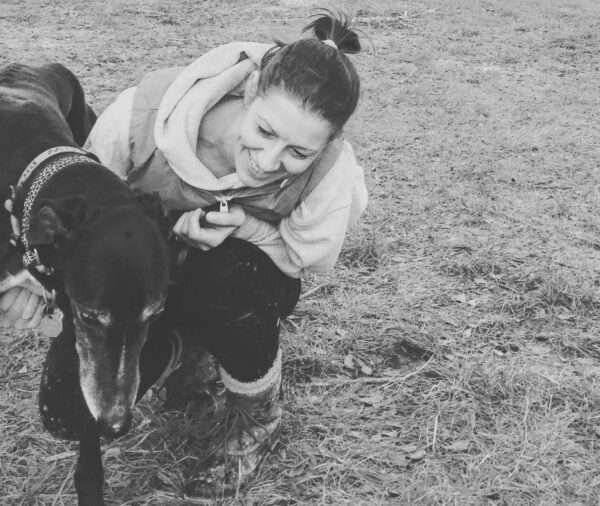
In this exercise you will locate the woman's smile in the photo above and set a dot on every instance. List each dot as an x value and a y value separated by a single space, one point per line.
255 168
278 138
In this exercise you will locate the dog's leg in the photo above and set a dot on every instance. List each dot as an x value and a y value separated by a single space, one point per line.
65 414
63 410
89 474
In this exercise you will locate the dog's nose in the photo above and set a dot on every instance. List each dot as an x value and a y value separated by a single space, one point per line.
113 427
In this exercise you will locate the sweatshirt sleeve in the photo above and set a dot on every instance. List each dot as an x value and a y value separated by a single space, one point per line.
310 239
109 138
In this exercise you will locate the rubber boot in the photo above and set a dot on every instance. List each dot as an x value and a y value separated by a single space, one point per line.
246 434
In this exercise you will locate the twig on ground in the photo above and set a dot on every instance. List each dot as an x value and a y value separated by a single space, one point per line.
313 290
365 380
60 456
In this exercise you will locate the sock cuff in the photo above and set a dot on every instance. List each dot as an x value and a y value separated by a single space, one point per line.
257 387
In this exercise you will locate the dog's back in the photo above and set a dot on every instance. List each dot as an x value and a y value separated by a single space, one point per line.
40 107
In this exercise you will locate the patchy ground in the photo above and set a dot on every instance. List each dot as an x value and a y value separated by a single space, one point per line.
453 357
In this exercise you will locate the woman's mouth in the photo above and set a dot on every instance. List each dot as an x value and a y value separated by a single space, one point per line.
254 167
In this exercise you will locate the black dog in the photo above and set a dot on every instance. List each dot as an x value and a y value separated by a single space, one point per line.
84 236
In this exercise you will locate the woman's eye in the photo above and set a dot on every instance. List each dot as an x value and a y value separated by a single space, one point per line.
264 133
297 154
89 318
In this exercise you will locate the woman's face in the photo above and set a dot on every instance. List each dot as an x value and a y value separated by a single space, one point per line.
278 138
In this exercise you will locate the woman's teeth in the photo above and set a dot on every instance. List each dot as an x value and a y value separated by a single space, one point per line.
254 166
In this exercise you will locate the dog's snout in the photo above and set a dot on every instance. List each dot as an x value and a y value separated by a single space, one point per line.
115 424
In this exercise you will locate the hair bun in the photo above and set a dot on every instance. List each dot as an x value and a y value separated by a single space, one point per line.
335 27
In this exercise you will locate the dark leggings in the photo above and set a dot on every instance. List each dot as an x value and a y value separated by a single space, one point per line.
227 300
230 300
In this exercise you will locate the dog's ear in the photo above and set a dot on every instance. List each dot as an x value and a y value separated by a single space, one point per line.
57 221
152 206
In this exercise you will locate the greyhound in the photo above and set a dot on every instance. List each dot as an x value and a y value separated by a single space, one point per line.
74 229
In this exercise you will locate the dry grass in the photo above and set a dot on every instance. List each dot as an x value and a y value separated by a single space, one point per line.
452 358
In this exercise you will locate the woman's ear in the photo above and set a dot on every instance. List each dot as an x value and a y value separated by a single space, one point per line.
251 90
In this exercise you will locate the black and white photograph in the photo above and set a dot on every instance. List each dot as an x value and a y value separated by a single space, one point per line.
288 252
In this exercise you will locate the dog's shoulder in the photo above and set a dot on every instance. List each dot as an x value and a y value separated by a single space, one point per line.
46 90
24 87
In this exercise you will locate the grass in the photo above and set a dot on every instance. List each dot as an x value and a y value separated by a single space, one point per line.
452 357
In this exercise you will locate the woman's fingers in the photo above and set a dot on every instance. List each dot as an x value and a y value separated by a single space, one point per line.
31 306
234 218
8 297
37 316
193 224
189 227
20 308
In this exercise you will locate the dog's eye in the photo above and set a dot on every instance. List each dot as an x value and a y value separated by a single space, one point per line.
89 318
156 314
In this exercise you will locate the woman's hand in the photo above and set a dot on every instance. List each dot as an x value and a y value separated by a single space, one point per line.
218 226
21 308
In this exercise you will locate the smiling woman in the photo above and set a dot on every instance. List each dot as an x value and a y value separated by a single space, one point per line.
278 138
257 127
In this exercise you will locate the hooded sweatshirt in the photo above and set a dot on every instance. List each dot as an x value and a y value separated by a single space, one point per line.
308 238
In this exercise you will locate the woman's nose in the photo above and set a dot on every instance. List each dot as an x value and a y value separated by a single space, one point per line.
269 159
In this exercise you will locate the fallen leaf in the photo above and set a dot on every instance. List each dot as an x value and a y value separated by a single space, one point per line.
408 448
566 316
349 361
372 400
366 370
539 349
112 452
461 297
319 429
458 446
356 434
400 460
419 454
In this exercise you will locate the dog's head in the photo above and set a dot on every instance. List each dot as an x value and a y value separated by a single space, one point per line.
114 267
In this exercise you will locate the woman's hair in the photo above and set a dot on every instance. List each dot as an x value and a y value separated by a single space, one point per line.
316 70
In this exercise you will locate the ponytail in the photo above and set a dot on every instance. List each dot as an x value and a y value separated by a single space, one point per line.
327 26
316 70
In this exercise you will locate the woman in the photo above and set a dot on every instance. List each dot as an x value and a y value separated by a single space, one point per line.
256 128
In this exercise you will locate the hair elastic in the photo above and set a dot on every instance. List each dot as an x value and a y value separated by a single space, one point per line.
329 42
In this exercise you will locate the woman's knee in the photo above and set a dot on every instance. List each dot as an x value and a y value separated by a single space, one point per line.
237 276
